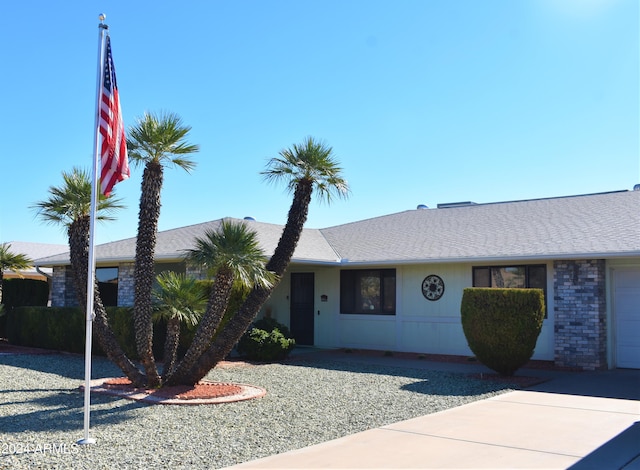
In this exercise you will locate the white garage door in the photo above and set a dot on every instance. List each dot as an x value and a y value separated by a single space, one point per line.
626 285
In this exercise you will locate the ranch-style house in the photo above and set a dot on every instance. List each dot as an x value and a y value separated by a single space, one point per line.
395 282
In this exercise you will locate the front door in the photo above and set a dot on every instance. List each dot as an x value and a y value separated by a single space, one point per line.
301 307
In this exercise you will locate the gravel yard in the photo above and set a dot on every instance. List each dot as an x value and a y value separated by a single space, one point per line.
308 401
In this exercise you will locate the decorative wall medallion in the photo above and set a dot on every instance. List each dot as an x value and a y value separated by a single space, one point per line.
432 287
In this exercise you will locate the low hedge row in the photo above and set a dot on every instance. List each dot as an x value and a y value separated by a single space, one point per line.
63 329
18 292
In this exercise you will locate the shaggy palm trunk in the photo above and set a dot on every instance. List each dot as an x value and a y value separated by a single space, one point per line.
144 271
233 331
216 308
1 283
79 252
171 346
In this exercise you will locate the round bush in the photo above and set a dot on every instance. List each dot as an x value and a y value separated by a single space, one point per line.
265 342
502 325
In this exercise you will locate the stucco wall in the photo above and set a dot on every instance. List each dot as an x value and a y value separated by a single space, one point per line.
419 325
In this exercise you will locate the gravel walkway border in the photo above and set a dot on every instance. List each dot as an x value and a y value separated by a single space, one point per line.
308 401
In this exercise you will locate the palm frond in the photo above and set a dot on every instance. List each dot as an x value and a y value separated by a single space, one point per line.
160 138
72 200
311 161
234 248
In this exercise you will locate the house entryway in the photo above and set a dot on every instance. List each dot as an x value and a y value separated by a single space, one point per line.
626 305
301 308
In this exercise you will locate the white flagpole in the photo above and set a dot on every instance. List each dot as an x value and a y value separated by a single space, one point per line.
91 265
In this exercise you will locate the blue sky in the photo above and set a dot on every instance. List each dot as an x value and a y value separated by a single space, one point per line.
423 101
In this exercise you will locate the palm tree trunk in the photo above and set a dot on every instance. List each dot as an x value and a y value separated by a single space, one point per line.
78 234
144 269
216 308
233 331
171 346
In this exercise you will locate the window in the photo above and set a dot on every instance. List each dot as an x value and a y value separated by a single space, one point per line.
533 276
108 285
524 277
370 291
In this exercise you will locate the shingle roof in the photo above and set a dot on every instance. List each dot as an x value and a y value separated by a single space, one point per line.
170 244
35 251
597 225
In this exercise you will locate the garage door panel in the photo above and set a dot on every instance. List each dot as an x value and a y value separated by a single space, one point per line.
627 317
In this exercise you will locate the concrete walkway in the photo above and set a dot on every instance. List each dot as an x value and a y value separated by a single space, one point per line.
575 420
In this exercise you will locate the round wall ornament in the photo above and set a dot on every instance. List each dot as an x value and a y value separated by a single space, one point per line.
432 287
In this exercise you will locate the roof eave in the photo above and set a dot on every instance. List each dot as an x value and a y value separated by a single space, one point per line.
496 259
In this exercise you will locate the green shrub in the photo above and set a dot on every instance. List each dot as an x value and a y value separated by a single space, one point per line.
270 324
58 328
63 329
23 292
20 292
502 325
267 341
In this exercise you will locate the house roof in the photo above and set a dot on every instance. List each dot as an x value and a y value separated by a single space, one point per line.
601 225
170 244
597 225
34 251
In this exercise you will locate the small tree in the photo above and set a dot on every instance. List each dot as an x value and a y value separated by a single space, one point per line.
179 299
69 206
502 325
304 168
231 255
155 141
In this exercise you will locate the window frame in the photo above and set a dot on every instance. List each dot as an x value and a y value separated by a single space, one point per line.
351 291
108 288
528 268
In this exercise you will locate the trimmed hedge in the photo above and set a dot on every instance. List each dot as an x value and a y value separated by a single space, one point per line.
63 329
21 292
502 325
18 292
58 328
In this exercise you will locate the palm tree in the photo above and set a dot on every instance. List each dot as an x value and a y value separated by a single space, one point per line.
306 167
11 260
69 205
179 299
155 141
231 255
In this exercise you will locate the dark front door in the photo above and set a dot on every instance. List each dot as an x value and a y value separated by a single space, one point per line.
301 307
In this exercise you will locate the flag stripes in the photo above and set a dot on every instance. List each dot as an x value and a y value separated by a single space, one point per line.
114 164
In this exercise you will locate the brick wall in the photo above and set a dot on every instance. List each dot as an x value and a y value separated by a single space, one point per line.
580 323
63 292
126 287
58 286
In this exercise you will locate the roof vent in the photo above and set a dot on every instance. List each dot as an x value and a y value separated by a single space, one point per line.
448 205
636 187
422 207
249 218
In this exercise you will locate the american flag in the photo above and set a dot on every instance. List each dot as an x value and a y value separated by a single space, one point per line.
114 163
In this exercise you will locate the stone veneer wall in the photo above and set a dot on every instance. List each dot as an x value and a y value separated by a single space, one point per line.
126 284
63 292
58 285
126 287
580 314
195 272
